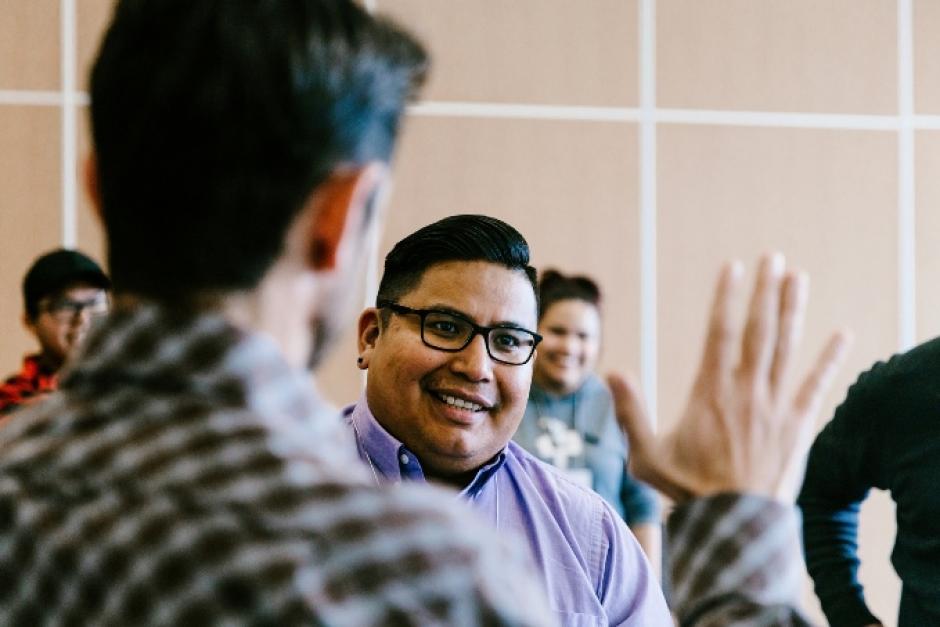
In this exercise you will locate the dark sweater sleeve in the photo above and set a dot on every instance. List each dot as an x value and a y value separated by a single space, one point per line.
843 465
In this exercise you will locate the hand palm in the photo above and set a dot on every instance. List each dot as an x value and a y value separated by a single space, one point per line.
740 431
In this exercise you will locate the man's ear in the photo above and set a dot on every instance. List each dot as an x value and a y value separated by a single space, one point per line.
92 186
28 323
369 331
342 206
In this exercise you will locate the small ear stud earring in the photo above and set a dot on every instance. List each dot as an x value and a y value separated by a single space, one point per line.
359 361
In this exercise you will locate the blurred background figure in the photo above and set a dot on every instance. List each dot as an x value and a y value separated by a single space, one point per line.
569 420
62 292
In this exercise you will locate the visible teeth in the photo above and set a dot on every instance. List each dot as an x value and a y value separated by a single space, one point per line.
459 402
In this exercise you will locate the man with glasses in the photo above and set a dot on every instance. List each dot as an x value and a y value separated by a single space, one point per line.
63 292
449 351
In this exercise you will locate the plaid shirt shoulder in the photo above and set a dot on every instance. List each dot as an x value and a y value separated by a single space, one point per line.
735 560
25 386
186 476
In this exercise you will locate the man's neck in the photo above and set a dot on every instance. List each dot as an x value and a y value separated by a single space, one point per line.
458 481
280 307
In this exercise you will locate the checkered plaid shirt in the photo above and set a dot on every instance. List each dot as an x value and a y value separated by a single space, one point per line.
735 560
185 475
31 383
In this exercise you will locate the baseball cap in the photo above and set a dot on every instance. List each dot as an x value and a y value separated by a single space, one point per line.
54 271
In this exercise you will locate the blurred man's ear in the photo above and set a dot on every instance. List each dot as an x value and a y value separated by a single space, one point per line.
344 205
92 188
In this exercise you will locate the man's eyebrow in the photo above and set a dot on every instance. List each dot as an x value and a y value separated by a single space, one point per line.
502 324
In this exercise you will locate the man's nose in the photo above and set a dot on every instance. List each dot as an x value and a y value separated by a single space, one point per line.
474 361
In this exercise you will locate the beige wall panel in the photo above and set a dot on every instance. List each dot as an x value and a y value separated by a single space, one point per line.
927 244
569 187
827 200
92 18
30 217
29 44
527 51
799 55
926 56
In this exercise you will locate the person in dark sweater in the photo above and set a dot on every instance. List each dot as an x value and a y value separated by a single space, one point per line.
885 435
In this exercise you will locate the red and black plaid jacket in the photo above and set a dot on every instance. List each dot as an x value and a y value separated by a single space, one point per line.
30 382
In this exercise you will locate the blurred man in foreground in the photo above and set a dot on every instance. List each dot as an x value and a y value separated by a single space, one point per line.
63 291
186 473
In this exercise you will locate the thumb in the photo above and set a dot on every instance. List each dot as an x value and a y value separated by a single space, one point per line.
630 408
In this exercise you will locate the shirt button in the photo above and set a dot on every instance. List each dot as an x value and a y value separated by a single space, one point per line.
404 459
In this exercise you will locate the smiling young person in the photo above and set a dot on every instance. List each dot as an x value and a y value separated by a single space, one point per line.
449 350
569 420
63 292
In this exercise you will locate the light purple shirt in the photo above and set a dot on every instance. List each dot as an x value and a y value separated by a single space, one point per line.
593 569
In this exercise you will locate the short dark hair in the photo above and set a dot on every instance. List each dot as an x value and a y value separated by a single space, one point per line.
555 286
455 238
214 120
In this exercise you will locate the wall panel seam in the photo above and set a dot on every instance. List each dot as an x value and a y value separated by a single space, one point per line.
649 344
69 147
907 259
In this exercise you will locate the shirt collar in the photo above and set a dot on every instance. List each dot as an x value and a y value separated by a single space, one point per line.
34 372
393 461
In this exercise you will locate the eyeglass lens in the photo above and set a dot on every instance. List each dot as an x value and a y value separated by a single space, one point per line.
66 309
448 332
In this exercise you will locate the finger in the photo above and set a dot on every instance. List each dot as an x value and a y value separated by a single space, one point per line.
721 336
631 413
817 382
792 309
760 332
634 420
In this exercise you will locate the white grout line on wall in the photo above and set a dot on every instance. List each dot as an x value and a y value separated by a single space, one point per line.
69 135
926 122
771 119
907 212
34 98
778 119
647 184
524 111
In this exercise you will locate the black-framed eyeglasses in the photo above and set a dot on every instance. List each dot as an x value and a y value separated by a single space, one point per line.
450 332
66 309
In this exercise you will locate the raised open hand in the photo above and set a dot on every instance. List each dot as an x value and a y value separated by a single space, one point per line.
743 429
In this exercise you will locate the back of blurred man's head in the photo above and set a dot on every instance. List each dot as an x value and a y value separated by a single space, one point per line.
215 120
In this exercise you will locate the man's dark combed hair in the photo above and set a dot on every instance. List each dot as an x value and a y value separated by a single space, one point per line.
214 120
555 286
455 238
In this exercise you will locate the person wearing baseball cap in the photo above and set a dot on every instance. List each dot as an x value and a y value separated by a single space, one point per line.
63 291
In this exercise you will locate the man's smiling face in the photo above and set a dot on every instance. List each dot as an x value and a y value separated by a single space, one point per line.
455 410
